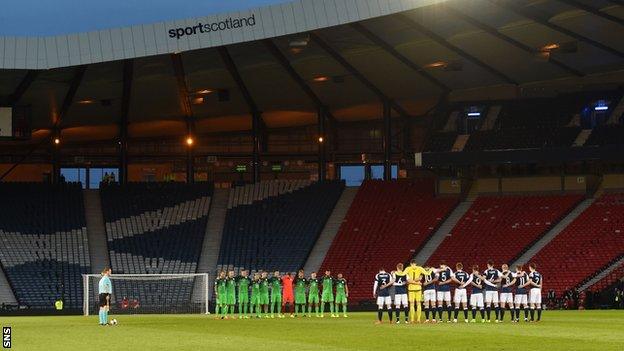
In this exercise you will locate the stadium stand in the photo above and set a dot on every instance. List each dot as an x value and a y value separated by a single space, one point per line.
43 242
440 142
155 228
501 228
386 224
592 241
606 135
534 123
609 279
273 225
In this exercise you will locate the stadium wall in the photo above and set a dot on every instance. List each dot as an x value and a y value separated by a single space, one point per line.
26 172
613 181
529 184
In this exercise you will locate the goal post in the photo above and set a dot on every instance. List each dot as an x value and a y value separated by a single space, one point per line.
150 293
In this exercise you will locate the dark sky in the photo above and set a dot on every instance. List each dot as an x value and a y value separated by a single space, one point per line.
53 17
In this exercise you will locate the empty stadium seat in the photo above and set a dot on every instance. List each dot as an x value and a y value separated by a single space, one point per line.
500 228
534 123
155 228
610 279
43 242
273 225
592 241
606 135
386 223
440 142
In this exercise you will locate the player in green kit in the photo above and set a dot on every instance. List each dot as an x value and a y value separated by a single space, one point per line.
243 283
313 294
327 296
264 293
255 295
342 292
300 293
221 294
230 293
276 295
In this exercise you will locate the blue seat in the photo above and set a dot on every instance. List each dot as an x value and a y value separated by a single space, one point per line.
277 232
44 247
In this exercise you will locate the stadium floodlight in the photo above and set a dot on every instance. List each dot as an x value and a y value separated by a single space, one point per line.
474 114
601 108
150 293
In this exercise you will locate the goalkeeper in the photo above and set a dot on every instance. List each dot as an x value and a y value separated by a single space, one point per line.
414 273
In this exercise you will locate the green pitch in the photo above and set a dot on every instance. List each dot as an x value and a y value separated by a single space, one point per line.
560 330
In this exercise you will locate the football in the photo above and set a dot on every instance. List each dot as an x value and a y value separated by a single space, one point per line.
113 322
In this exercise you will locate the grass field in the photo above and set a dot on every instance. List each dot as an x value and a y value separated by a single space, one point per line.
559 330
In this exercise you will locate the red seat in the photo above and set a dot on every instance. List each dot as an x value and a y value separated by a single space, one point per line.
386 223
591 242
501 228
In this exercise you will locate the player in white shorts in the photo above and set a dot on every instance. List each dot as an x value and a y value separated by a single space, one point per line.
381 290
399 280
476 298
491 278
508 279
429 292
445 275
535 294
521 298
462 279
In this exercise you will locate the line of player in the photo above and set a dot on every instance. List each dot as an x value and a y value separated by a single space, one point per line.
262 296
519 291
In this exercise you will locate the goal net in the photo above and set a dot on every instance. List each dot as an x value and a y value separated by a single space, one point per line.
149 293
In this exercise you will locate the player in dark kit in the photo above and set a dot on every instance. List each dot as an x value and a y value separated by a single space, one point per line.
460 299
429 292
521 299
445 275
381 290
476 297
508 280
399 279
491 278
535 294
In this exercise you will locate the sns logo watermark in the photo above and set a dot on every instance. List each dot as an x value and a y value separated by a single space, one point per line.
6 337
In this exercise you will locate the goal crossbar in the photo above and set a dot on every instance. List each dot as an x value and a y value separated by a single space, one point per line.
200 288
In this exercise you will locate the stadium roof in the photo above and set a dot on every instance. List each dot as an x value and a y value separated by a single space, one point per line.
347 55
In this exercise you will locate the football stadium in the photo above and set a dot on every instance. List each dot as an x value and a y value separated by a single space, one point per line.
312 174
